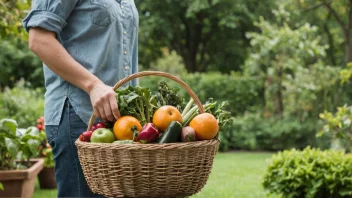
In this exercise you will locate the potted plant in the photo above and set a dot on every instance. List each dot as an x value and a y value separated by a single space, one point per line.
18 168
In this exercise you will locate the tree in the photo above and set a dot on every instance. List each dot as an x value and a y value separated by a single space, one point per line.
344 22
340 11
16 60
288 59
12 12
207 34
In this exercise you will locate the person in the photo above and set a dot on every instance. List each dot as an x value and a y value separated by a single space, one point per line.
86 47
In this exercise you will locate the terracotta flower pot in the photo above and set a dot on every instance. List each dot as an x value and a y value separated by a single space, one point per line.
47 178
20 183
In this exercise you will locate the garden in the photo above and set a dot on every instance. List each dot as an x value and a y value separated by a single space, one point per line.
277 75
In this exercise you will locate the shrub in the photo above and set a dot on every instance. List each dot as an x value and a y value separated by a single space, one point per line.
22 104
170 62
310 173
253 132
245 94
17 61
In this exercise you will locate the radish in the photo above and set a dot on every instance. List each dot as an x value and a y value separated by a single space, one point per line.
188 134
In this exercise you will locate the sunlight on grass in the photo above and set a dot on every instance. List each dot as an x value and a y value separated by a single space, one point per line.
43 193
236 175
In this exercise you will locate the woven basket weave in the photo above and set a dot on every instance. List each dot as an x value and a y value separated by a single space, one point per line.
148 170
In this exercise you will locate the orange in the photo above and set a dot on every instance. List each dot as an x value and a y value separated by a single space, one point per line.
123 127
205 125
165 115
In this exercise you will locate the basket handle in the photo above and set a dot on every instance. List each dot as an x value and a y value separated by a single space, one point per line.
154 73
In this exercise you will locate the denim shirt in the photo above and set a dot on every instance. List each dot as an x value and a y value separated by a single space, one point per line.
99 34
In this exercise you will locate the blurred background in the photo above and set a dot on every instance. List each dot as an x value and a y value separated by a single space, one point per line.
284 66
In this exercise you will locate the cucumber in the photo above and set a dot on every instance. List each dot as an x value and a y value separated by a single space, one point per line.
123 142
172 133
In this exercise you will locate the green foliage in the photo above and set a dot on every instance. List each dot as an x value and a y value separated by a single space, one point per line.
224 141
16 62
339 126
310 173
208 35
244 94
334 18
346 73
22 104
170 62
169 96
315 13
312 90
288 59
253 132
17 144
12 13
137 102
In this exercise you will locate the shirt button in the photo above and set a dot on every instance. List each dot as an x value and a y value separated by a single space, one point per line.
124 32
125 52
122 6
127 67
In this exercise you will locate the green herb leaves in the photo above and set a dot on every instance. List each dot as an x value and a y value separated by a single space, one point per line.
136 102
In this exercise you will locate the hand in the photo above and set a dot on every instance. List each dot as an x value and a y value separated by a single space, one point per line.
104 102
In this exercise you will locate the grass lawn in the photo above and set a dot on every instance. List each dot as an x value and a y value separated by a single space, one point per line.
234 174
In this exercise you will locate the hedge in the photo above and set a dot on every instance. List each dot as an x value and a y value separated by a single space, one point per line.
310 173
245 94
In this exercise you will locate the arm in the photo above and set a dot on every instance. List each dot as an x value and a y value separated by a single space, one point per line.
44 44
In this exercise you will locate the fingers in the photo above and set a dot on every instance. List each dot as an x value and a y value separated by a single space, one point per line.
114 108
108 112
96 112
106 108
102 113
99 111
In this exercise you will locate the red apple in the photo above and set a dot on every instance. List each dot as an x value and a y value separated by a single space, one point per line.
98 125
85 136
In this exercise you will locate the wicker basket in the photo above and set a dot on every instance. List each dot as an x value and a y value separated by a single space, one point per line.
148 170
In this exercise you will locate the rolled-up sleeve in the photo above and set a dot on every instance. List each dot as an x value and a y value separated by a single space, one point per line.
49 14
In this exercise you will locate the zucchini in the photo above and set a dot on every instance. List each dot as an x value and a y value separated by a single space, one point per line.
172 133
